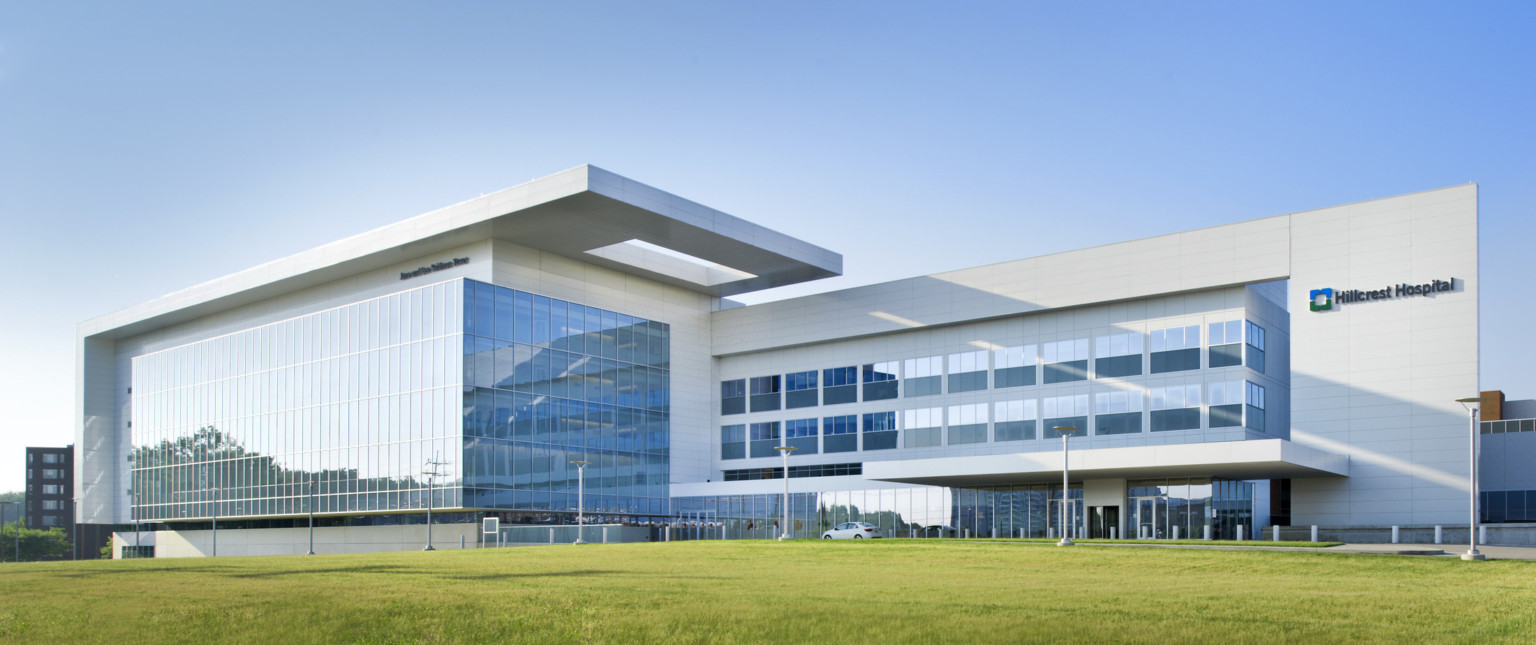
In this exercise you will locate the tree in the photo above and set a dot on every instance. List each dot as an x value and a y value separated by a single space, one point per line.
51 544
106 550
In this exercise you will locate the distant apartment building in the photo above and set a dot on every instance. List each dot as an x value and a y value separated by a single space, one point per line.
50 488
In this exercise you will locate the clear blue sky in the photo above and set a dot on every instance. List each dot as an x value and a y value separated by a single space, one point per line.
149 146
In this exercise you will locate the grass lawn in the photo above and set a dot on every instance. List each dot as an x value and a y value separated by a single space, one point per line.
879 591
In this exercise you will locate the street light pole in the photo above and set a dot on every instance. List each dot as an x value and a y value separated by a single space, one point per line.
784 451
1066 433
581 505
1472 553
19 524
431 474
215 519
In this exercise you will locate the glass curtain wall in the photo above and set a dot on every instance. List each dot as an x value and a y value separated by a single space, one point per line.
548 382
340 411
1012 511
1162 509
1032 511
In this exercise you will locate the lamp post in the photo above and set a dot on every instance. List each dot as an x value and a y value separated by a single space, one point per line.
19 524
784 451
431 472
1472 411
311 506
581 484
1066 433
215 523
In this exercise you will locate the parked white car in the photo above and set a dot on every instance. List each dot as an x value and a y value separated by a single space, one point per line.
852 531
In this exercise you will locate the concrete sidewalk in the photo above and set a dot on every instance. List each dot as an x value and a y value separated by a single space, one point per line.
1432 550
1449 550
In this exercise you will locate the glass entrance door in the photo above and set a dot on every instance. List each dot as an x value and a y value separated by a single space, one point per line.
1146 518
1101 519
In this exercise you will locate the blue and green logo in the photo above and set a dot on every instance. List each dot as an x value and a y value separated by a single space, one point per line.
1322 299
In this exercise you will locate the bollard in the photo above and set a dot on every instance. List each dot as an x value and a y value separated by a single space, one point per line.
1277 532
1175 532
1314 532
1207 532
461 541
1437 533
551 535
994 533
1112 532
1394 534
1239 533
1482 534
605 535
967 534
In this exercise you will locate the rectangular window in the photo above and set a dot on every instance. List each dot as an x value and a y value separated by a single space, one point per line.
840 385
924 427
1065 360
51 458
765 393
1255 347
967 424
52 489
968 371
923 376
1013 366
1226 404
50 505
1176 407
1014 420
800 390
1255 410
733 396
1070 410
1175 349
1117 412
50 520
880 431
801 434
763 437
840 434
52 473
1117 355
733 442
880 381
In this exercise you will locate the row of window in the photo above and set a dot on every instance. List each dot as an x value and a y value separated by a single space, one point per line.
795 472
48 473
1176 349
1507 426
48 457
1508 506
1231 404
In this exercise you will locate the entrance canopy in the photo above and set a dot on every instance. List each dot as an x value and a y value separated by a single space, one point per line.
1257 459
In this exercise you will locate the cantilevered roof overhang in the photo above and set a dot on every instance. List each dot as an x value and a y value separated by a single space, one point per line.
585 213
1256 459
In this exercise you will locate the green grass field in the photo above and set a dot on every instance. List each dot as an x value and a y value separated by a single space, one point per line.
882 591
